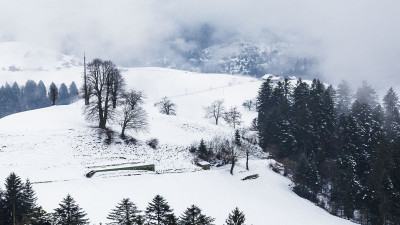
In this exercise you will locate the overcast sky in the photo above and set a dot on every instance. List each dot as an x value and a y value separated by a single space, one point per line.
353 39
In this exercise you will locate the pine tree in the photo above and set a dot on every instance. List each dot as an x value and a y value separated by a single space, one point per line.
193 216
69 213
16 97
392 114
140 220
53 93
306 179
264 103
366 94
362 114
125 213
236 218
381 181
29 199
171 220
63 95
14 199
38 217
42 95
2 208
302 118
344 98
73 90
202 150
30 95
158 211
345 185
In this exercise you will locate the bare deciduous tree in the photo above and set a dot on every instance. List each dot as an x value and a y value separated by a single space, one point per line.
133 115
248 104
215 110
235 152
166 106
100 77
233 117
118 85
248 144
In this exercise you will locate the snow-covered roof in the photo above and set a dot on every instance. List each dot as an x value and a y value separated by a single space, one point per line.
203 163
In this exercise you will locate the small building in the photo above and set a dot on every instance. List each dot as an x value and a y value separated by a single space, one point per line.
204 165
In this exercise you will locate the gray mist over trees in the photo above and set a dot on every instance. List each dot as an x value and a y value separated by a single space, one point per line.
352 40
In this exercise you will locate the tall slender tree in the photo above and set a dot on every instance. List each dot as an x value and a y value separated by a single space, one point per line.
158 211
125 213
69 213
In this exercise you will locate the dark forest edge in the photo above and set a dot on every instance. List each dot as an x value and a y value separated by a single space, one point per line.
32 95
18 205
341 151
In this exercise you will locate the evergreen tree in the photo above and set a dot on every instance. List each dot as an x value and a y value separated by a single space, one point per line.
381 181
53 93
158 211
38 217
73 90
125 213
344 98
63 95
236 218
140 220
392 114
306 179
30 95
29 199
362 114
395 176
264 103
14 199
16 98
42 100
193 216
280 120
366 94
302 118
202 150
172 220
69 213
3 212
345 183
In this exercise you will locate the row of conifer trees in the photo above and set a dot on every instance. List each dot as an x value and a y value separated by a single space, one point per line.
15 98
340 147
18 205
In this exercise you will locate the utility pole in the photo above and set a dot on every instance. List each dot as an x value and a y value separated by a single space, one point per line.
85 82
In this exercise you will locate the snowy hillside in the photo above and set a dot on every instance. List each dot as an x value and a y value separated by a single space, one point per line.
55 147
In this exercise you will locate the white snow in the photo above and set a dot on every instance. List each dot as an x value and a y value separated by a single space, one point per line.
55 147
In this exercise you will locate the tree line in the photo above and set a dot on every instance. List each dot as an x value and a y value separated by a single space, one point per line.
339 147
18 205
15 98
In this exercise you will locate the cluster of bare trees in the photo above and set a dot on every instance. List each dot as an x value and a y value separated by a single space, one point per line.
106 98
224 150
217 110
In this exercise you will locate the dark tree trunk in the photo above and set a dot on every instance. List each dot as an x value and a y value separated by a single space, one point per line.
247 160
233 164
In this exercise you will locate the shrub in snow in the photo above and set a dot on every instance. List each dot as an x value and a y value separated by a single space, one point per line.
152 142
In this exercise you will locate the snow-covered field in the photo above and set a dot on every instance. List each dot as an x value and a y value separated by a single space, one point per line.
55 147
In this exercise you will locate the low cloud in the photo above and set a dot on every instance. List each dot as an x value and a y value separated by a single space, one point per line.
353 40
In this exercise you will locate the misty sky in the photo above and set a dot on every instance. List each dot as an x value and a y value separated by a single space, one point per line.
353 39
